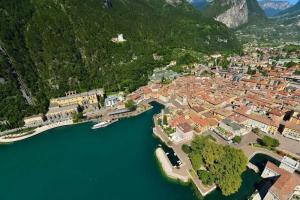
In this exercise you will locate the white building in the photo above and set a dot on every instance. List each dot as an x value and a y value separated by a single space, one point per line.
289 164
265 124
233 127
118 39
184 132
111 101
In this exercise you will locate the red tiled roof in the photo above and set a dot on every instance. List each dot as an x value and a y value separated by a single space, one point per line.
198 120
185 127
293 126
177 120
285 184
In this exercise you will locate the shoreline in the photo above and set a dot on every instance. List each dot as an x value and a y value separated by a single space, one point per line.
167 167
6 139
10 138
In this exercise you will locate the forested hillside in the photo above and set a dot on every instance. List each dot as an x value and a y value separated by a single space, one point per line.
61 45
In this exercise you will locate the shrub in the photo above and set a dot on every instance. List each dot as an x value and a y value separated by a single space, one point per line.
270 142
237 139
206 177
186 149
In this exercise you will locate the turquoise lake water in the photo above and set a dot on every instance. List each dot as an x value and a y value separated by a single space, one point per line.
113 163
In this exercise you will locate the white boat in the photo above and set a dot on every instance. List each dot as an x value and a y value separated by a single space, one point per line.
104 124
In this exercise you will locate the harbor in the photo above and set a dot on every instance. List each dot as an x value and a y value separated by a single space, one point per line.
85 159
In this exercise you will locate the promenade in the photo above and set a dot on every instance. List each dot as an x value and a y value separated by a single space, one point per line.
22 136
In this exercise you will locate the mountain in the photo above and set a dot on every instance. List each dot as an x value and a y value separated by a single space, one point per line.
290 16
291 11
235 13
272 7
62 45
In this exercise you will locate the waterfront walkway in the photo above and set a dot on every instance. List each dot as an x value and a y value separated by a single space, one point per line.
22 136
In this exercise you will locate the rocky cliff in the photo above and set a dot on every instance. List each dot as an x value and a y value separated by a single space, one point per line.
235 13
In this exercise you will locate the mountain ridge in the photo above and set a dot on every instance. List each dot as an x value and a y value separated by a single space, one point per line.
272 7
235 13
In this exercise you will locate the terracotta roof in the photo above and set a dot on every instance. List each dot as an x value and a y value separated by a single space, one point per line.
238 118
293 126
185 127
198 120
285 184
264 120
177 120
277 112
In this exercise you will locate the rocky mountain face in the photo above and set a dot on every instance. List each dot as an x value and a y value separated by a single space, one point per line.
272 7
235 13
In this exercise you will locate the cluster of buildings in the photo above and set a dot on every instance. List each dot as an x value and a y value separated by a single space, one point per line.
228 106
161 73
63 108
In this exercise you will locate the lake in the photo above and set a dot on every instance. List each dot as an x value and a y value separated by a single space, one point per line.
112 163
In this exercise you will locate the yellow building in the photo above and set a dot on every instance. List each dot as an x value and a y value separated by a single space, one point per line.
35 120
292 130
265 124
61 113
82 99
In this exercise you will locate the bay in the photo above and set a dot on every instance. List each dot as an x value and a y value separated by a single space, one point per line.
112 163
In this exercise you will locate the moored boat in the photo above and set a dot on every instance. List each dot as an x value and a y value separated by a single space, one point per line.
104 124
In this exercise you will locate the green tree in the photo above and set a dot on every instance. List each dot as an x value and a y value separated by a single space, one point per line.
77 117
196 160
250 71
130 105
165 118
237 139
229 184
186 149
256 130
289 64
224 165
270 142
206 177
